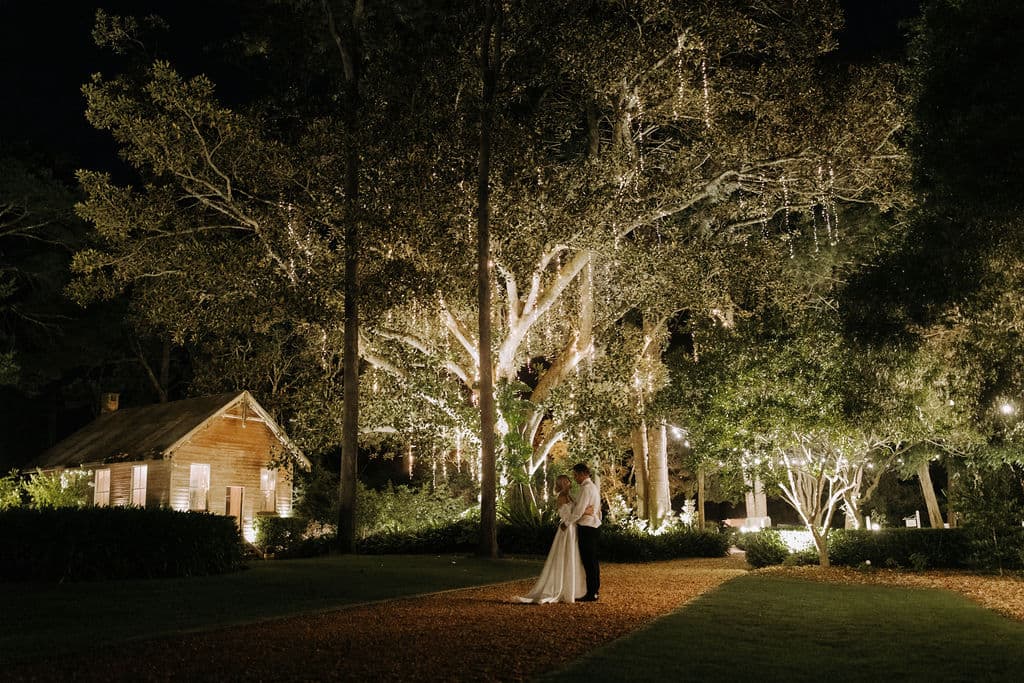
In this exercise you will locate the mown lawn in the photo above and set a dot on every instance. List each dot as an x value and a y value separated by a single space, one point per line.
51 619
758 628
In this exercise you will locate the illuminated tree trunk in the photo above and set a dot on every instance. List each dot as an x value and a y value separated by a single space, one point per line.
650 469
490 50
813 488
852 502
659 505
928 490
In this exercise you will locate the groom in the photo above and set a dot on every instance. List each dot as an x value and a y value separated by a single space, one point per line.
586 513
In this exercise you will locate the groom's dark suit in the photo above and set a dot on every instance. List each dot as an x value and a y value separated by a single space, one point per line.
587 533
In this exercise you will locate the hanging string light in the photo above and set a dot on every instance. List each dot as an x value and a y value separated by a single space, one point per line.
707 92
444 465
677 101
814 211
832 203
639 138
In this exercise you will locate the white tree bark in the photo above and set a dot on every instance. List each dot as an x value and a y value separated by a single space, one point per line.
935 520
659 506
814 488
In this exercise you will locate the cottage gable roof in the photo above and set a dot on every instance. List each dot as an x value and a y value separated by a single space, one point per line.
150 432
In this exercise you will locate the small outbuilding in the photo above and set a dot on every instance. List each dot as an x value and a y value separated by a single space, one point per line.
222 454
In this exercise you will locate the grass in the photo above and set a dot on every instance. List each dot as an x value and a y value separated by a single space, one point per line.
775 629
53 619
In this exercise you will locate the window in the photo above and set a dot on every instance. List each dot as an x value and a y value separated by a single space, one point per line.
101 488
199 487
139 485
268 489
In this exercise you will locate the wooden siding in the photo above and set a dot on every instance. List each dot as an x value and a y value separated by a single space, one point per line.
235 448
157 482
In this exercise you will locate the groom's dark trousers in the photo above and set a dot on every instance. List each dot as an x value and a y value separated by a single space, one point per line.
587 537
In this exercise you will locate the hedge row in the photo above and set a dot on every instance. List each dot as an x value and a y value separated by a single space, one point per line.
60 544
887 548
628 545
908 548
615 545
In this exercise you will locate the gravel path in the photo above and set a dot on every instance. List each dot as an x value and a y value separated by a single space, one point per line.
475 634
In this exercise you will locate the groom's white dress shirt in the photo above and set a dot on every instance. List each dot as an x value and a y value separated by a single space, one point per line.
590 494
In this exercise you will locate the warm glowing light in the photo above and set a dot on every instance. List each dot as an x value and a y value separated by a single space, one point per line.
796 540
1007 409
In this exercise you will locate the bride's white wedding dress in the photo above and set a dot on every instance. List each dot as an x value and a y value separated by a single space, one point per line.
562 579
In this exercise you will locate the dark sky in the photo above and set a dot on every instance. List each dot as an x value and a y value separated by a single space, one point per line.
46 54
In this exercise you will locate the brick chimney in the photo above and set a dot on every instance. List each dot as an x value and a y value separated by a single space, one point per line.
108 403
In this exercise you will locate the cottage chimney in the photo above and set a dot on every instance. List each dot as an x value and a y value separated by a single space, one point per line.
108 403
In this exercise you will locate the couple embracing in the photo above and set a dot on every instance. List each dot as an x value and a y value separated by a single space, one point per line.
571 572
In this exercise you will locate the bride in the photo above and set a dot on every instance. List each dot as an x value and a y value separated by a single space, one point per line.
562 579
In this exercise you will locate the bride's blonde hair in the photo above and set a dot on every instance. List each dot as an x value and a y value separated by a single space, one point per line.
559 490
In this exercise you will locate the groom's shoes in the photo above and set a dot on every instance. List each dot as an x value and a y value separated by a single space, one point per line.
588 598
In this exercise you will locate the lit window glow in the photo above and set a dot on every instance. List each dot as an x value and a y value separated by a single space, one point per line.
139 473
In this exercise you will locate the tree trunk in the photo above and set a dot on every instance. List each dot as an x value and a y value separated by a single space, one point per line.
659 502
851 504
490 49
639 439
159 385
934 513
349 44
700 498
165 369
821 544
951 485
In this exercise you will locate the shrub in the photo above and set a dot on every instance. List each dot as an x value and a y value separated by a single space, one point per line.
454 537
291 537
898 547
393 509
317 495
617 544
765 548
63 489
115 543
990 506
800 558
402 508
620 543
10 490
275 534
529 531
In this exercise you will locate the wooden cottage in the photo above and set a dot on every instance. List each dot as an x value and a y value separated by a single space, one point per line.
222 454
